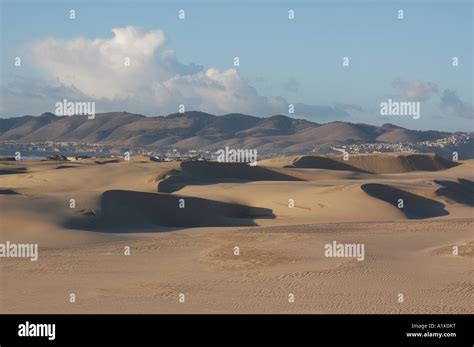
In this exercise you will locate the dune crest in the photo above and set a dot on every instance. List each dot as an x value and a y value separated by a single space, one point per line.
367 163
202 172
414 206
136 211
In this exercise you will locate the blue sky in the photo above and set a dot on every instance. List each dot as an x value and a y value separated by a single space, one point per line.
282 61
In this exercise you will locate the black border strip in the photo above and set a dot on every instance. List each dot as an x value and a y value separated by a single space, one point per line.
240 329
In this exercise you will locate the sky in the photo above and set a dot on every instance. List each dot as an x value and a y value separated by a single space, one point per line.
140 57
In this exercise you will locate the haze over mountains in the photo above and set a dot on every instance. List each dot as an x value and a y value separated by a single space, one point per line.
198 130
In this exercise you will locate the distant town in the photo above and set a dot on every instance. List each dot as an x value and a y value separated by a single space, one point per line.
441 146
74 150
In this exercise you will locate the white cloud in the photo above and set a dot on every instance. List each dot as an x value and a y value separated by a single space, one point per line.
155 78
154 83
96 67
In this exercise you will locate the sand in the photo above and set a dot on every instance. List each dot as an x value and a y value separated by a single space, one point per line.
183 221
371 163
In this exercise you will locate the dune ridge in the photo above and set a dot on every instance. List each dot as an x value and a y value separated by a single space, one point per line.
414 206
367 163
202 172
135 211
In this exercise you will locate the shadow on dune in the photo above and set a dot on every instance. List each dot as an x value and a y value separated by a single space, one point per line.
317 162
172 184
369 163
241 171
130 211
60 167
461 191
415 206
423 162
13 171
204 173
110 161
8 192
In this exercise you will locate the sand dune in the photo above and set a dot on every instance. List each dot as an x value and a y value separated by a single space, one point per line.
135 211
414 206
281 244
318 194
200 172
8 191
109 161
13 170
210 170
312 162
461 191
368 163
59 167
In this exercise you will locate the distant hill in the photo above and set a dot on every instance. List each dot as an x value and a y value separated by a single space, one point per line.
198 130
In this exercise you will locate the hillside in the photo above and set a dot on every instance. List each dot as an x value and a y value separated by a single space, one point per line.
198 130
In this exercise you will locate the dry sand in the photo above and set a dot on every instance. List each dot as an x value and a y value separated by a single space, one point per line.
190 250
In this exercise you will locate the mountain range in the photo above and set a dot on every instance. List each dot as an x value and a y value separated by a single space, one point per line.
198 130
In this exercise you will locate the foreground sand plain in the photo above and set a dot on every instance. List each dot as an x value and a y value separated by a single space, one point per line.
191 250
